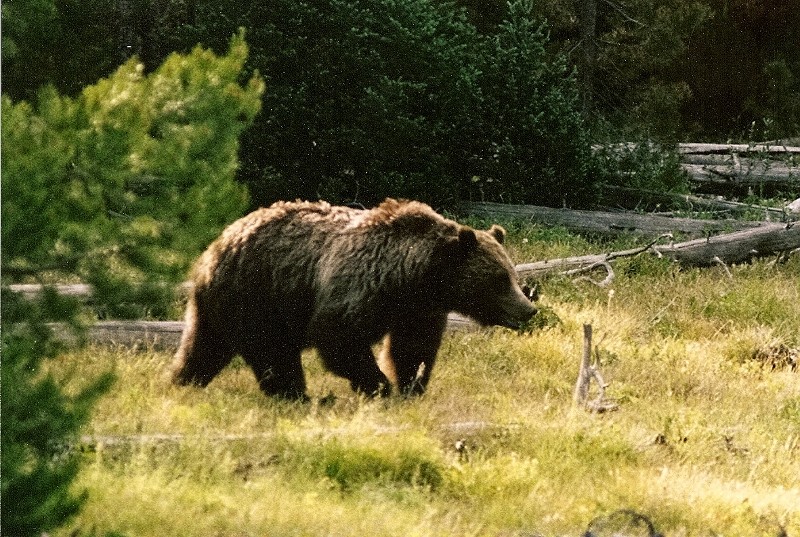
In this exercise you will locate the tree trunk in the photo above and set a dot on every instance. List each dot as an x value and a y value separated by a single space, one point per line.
729 248
166 335
744 177
736 169
606 223
727 149
633 198
737 247
588 24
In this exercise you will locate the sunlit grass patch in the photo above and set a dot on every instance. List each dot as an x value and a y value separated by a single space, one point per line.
705 440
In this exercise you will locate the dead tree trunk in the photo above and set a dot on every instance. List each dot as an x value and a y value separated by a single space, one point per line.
738 169
737 247
633 198
166 335
606 223
728 248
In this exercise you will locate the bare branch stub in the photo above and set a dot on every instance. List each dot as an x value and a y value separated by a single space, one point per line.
586 373
605 282
721 263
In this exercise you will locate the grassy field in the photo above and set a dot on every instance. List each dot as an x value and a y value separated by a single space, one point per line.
706 439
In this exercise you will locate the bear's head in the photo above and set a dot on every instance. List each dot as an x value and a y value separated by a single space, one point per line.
484 282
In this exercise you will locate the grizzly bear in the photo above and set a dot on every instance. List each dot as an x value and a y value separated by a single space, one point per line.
340 279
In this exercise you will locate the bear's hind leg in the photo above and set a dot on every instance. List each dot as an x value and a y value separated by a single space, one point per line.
201 355
357 364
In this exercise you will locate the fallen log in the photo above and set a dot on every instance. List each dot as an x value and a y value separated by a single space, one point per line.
702 148
574 264
738 178
605 223
735 169
730 248
724 149
166 335
737 247
29 291
633 198
158 335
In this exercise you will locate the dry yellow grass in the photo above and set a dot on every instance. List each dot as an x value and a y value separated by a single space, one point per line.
706 440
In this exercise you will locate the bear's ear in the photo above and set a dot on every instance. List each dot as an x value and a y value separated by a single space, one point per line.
498 233
461 245
467 240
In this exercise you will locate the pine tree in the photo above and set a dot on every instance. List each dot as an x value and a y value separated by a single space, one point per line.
120 187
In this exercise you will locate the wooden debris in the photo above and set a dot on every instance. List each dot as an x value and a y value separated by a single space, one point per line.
590 370
605 223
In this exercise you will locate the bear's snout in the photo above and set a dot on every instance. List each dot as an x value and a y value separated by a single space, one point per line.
518 310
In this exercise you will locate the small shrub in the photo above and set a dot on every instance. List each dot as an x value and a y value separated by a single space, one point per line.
645 166
39 418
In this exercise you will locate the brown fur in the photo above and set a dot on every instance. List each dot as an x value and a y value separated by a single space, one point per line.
298 275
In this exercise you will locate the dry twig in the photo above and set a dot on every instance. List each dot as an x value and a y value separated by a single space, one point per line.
587 372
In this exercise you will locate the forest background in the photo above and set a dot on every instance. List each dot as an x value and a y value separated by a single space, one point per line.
132 131
442 101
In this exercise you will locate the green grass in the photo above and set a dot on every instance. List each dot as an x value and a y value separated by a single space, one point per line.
706 440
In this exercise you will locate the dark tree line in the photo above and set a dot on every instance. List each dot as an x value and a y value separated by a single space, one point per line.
430 100
425 99
685 69
364 98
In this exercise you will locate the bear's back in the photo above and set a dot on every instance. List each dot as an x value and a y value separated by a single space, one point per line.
279 234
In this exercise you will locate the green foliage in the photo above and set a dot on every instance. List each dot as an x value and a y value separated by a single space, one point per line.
39 419
532 145
370 98
366 98
71 43
130 180
665 69
120 187
638 47
418 106
644 166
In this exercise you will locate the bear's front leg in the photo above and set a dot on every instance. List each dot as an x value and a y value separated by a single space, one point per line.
410 350
356 363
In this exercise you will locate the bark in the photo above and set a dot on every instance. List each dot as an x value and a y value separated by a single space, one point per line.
737 247
606 223
166 335
731 178
738 169
729 248
722 149
633 198
159 335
